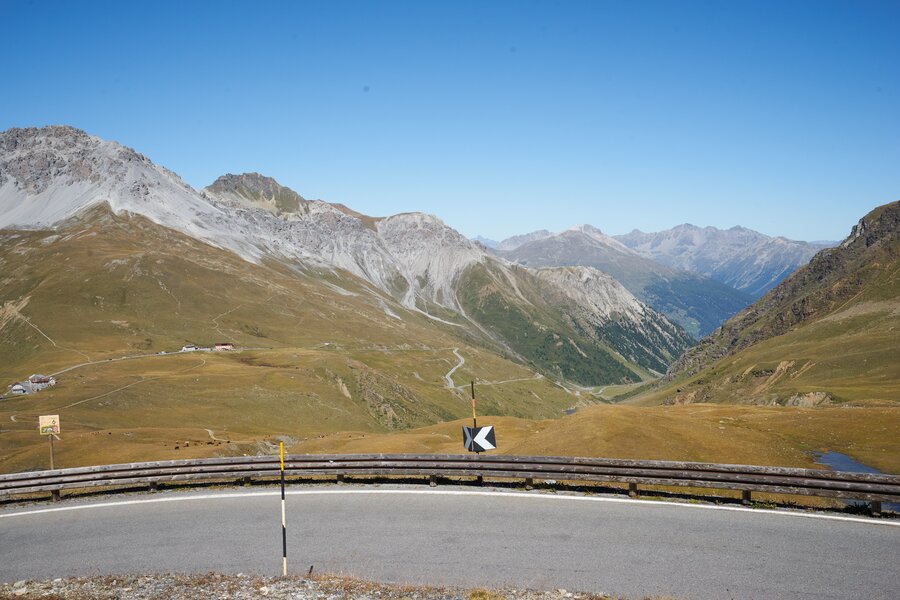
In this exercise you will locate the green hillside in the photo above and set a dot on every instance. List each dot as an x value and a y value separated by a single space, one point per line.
534 329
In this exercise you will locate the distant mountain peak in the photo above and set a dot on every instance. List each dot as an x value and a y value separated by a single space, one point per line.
595 236
511 243
486 242
586 228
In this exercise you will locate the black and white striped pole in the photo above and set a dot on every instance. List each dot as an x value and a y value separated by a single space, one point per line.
283 521
474 418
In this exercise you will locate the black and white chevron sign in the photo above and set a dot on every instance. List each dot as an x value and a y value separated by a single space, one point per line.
479 439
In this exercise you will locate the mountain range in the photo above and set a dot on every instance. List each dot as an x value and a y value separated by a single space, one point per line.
403 265
741 258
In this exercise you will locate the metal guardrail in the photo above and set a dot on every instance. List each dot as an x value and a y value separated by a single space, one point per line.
747 479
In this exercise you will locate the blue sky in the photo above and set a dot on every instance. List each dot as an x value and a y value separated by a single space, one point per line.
499 117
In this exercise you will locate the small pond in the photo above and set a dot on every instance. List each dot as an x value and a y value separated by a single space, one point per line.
841 462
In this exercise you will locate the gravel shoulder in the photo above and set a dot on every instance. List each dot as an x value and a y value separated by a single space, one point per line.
244 587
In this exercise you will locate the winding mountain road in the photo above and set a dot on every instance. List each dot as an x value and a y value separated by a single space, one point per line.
449 376
461 536
450 385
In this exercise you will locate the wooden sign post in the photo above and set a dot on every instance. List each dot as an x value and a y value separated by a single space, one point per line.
49 425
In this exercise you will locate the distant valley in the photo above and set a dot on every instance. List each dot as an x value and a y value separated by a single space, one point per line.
829 333
698 277
697 303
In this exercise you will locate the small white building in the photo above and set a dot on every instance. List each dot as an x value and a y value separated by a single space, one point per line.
18 389
189 348
41 382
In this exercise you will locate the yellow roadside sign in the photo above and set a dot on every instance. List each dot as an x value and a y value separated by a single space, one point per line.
48 424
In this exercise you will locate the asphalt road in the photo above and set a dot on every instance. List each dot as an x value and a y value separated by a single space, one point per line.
461 537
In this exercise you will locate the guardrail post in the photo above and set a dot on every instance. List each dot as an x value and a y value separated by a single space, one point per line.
340 479
745 497
529 483
154 486
432 480
479 480
632 489
876 508
55 495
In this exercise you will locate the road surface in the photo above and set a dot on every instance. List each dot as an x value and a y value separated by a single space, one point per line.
461 536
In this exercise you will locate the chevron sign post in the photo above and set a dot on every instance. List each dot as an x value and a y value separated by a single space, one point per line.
475 438
479 439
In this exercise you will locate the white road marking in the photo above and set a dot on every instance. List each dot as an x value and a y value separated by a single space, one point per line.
519 495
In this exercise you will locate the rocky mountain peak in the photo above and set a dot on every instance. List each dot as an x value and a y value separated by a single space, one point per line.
257 191
48 174
32 158
882 222
17 137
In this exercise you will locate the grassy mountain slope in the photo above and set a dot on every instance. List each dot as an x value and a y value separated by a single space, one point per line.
322 352
528 317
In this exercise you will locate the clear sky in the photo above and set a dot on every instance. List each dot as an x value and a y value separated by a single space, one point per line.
499 117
